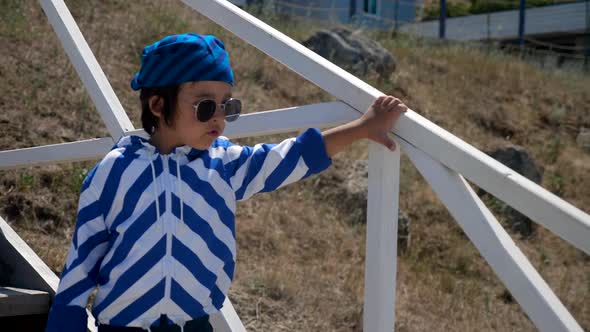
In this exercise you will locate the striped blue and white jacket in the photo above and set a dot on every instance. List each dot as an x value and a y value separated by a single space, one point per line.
155 233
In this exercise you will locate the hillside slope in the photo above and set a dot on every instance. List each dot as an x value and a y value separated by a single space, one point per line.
301 256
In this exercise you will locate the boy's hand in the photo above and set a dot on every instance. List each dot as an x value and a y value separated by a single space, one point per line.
380 118
375 125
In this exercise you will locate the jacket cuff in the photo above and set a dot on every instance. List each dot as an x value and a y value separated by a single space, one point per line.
67 318
313 150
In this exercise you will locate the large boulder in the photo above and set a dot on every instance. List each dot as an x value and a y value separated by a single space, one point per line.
352 51
517 158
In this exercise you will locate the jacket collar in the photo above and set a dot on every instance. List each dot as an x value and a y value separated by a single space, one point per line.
142 144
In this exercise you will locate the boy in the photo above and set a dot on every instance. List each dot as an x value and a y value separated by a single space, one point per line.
155 228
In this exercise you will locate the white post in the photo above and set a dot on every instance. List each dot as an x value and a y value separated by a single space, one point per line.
227 319
381 247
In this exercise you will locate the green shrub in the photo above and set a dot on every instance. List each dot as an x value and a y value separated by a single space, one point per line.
454 9
486 6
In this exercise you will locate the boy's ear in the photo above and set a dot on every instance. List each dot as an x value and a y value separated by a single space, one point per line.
156 105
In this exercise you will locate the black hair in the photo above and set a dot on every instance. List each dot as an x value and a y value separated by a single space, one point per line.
169 95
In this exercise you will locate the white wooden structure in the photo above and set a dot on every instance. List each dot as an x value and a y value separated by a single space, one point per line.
443 159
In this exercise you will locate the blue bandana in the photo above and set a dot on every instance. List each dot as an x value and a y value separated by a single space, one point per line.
183 58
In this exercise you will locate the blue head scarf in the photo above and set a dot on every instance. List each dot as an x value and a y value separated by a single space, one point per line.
183 58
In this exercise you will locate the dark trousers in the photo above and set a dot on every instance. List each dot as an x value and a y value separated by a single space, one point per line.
196 325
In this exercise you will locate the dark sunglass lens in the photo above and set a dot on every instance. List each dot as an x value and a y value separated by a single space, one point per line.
233 108
230 118
206 110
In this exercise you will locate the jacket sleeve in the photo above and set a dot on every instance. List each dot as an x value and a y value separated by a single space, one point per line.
78 279
266 167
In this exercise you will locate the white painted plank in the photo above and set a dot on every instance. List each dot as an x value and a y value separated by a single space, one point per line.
44 278
31 271
90 149
278 121
285 120
290 119
562 218
545 208
495 245
381 245
248 125
227 320
19 301
88 69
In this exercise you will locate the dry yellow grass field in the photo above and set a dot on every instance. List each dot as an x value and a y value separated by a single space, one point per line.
300 256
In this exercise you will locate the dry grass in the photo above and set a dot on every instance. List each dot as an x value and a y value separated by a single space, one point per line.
301 261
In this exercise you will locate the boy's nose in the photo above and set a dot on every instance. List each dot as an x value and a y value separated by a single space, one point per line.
219 115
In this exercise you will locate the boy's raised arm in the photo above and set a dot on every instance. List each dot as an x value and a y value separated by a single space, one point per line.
267 167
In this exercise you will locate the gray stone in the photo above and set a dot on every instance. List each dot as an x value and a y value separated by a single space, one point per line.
583 139
352 51
517 158
403 232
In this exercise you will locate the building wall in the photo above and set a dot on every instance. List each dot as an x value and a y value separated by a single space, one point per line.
388 11
240 3
350 11
332 10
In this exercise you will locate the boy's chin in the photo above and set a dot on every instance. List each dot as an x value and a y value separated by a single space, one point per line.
204 141
203 145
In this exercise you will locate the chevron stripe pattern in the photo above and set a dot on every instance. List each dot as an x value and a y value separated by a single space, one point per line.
155 233
183 58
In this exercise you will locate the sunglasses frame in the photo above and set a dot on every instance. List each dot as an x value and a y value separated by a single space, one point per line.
229 118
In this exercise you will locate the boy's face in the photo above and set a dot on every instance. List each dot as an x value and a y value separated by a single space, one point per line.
187 128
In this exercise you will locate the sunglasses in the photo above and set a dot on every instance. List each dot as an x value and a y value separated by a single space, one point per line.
205 109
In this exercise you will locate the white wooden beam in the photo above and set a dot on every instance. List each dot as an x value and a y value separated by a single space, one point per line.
285 120
510 264
227 320
321 115
88 69
248 125
381 244
90 149
20 301
562 218
532 200
24 262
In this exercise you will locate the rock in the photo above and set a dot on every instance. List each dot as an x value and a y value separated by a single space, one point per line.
583 139
346 186
517 158
352 51
403 232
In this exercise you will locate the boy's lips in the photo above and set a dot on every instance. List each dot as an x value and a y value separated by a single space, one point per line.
214 132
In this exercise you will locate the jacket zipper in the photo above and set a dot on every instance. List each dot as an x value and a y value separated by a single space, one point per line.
167 259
